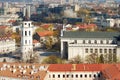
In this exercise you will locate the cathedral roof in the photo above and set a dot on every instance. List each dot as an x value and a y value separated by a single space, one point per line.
84 34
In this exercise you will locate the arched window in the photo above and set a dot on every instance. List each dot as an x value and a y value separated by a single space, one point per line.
25 33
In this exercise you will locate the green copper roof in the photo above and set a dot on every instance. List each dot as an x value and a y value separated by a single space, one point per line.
83 34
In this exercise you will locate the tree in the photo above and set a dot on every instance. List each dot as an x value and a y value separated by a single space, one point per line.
110 58
101 59
76 60
34 58
92 58
52 60
114 57
49 43
4 60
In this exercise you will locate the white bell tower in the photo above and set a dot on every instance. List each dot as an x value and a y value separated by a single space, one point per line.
26 40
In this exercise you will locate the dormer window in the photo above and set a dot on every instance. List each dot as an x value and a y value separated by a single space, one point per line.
107 42
89 41
101 42
95 42
83 41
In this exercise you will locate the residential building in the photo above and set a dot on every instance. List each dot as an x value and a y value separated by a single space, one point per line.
23 71
74 43
7 44
111 23
74 72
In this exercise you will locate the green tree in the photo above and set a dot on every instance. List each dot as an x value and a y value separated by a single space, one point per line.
4 60
101 59
114 57
110 57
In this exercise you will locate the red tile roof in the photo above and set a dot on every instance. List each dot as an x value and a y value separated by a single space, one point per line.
78 67
6 70
45 33
112 72
3 27
86 26
12 21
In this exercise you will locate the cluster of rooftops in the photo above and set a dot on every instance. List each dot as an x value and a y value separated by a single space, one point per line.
39 71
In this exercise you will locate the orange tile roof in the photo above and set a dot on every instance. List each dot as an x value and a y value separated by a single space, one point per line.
79 67
46 25
45 33
12 21
22 70
86 26
112 72
3 27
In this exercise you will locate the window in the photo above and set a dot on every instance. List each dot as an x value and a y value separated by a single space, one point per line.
98 75
83 41
75 41
53 76
63 76
94 75
25 23
25 41
85 75
89 42
67 75
81 75
105 50
91 50
114 50
101 42
90 75
76 76
72 75
100 50
29 24
49 76
95 42
96 50
107 42
86 50
25 33
58 76
29 33
110 50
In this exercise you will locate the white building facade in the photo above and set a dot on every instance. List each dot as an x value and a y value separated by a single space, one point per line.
86 43
111 23
7 45
26 40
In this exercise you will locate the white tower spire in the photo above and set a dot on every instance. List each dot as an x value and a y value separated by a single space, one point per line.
26 40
